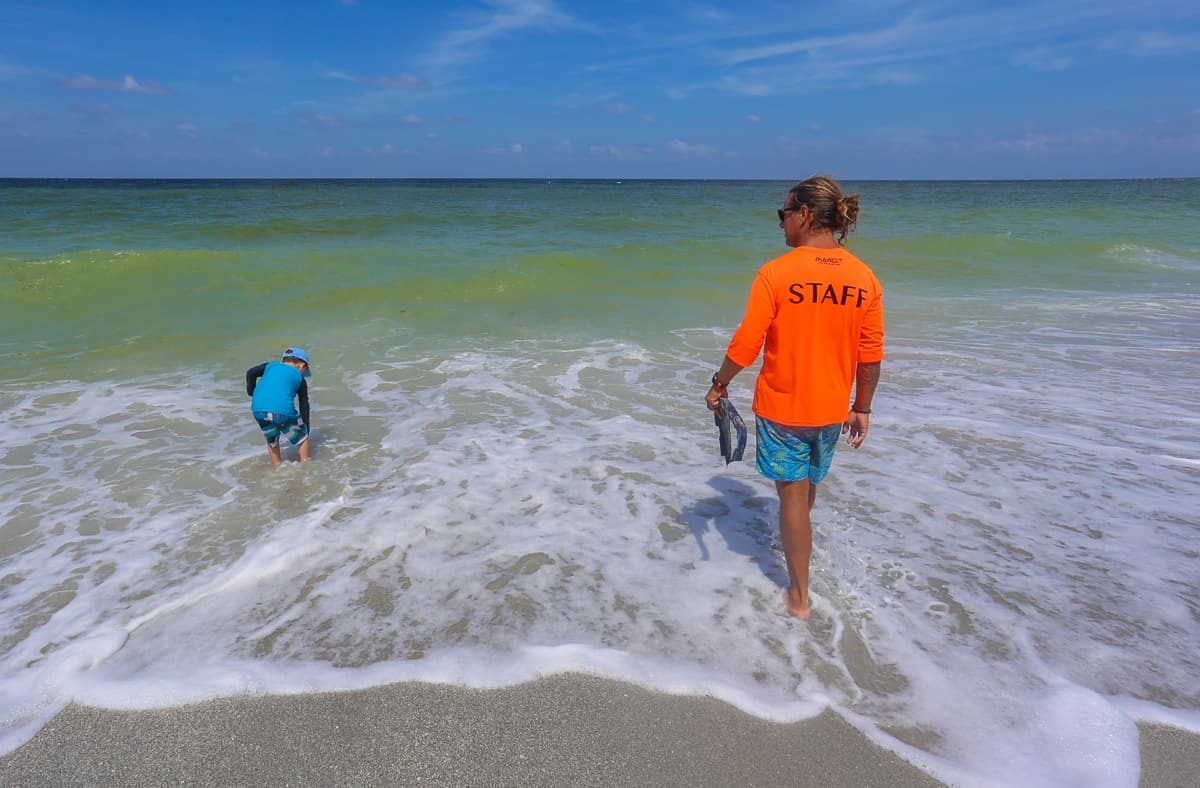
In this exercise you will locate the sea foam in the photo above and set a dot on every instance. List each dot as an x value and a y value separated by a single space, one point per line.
484 514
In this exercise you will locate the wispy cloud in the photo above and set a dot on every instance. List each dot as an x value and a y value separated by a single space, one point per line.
511 149
706 14
690 149
474 38
971 31
188 130
321 119
1042 59
127 85
813 45
619 153
746 86
783 61
103 108
619 108
404 81
11 71
1029 141
1154 44
1043 141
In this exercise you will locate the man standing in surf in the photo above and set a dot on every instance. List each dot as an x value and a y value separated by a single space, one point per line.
819 312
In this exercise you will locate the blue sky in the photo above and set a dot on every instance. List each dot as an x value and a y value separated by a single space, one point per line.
622 89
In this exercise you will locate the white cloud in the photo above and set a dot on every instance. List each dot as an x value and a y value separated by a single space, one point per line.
127 85
753 119
566 146
690 149
328 152
649 119
187 130
412 120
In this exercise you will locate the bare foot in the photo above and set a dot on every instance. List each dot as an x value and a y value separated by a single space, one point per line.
797 607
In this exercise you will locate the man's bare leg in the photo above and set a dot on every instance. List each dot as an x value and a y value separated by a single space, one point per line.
304 450
796 499
273 453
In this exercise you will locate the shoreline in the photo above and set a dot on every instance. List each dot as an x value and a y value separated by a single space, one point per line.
563 730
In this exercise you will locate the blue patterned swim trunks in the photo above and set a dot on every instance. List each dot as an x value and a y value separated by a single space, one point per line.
789 454
274 424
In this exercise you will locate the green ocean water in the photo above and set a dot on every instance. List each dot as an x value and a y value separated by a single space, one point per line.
168 267
514 474
162 269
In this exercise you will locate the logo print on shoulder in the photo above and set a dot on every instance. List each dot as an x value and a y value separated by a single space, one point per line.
829 260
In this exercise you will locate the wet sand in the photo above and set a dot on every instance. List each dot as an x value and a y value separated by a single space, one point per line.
565 730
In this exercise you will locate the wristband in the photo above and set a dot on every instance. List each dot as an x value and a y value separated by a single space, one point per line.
718 383
857 409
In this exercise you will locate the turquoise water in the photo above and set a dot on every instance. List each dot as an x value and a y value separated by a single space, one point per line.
515 474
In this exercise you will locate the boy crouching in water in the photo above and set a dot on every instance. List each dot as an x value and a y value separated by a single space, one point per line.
271 404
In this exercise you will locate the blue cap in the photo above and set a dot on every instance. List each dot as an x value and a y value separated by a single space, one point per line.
298 352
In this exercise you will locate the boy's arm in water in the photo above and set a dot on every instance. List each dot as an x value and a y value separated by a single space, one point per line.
302 395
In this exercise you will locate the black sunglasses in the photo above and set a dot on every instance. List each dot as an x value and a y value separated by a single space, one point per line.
785 211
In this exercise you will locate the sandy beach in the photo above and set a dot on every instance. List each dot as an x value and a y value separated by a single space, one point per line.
564 730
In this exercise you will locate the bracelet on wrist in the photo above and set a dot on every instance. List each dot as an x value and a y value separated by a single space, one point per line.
718 383
857 409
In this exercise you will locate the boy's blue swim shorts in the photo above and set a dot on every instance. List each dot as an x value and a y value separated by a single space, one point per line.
274 424
789 454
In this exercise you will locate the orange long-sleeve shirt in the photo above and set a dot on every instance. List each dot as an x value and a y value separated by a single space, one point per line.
820 314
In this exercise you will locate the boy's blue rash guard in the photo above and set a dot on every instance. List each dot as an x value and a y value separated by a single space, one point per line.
280 384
